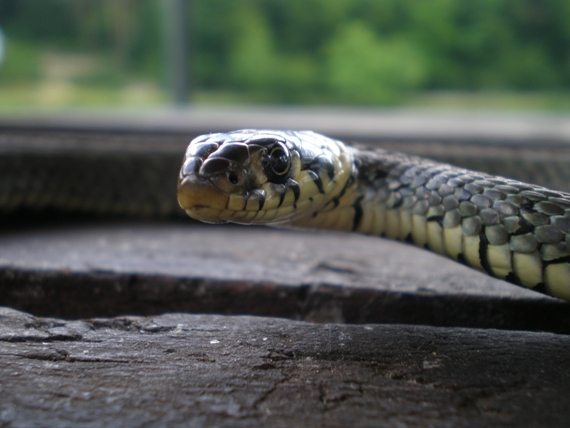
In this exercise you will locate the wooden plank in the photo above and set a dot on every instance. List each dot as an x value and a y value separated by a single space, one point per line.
92 151
204 370
91 269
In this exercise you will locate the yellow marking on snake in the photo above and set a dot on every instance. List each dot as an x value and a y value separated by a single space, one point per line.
307 186
326 219
286 211
237 202
227 213
405 224
249 215
379 220
435 237
272 196
367 221
557 278
453 241
267 215
392 223
345 218
252 205
499 257
419 230
528 268
471 251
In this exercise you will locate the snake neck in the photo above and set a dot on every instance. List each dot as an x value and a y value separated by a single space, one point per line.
511 230
367 192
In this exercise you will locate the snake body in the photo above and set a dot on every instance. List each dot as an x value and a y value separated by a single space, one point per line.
511 230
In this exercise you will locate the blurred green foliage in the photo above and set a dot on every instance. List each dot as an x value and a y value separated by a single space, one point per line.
21 63
363 67
343 51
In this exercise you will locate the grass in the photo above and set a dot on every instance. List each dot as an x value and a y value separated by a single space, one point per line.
65 94
54 93
508 101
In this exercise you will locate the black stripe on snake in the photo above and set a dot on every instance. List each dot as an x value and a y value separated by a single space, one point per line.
511 230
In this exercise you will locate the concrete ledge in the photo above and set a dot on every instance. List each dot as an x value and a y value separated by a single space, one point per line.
347 123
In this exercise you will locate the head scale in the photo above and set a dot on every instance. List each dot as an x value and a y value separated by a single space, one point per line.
261 176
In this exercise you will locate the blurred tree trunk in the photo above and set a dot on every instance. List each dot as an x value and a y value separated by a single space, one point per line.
176 49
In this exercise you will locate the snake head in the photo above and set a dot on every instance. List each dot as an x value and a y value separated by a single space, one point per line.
253 176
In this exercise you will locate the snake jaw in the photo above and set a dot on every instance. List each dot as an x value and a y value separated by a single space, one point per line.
201 199
211 176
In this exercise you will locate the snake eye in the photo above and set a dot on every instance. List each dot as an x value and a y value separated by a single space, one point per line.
277 163
232 177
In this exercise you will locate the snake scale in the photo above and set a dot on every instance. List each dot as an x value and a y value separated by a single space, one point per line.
511 230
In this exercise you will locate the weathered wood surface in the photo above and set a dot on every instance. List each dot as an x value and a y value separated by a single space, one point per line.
93 269
213 370
536 159
207 370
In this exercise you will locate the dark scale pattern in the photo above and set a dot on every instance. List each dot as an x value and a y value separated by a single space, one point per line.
511 230
500 212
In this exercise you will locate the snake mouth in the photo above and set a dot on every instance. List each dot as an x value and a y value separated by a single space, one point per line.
201 199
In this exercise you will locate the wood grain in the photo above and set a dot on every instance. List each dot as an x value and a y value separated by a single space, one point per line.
90 268
206 370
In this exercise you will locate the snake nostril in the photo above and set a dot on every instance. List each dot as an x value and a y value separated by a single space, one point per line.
233 178
213 167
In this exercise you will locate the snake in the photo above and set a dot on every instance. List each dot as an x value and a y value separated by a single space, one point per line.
514 231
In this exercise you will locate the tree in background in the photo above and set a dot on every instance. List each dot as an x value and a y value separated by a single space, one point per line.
341 51
2 48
